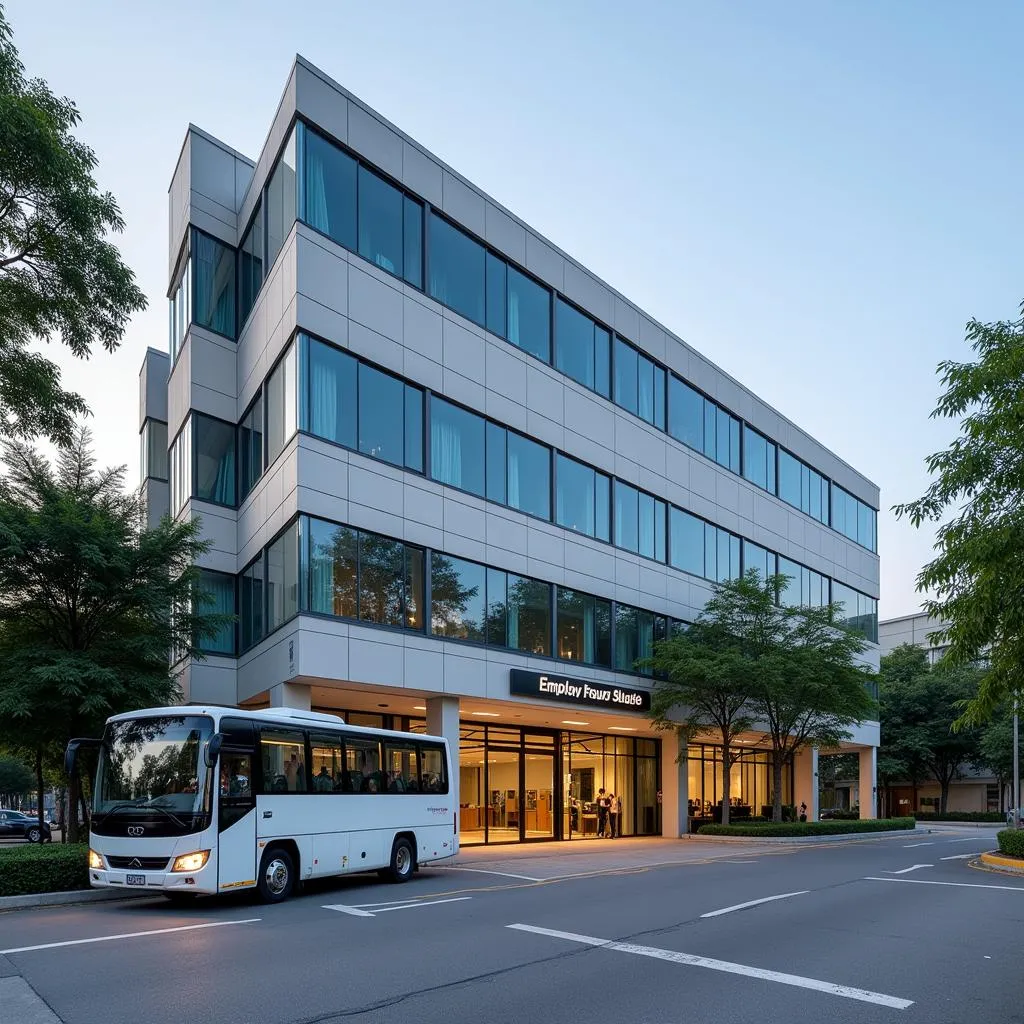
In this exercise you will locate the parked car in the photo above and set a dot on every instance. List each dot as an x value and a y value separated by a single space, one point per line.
17 825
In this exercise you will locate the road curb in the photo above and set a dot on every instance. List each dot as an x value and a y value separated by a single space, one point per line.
999 862
57 899
847 837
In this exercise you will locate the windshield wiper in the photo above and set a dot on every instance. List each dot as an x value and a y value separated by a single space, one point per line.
145 807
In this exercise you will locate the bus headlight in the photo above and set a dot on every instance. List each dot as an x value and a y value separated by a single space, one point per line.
191 861
95 860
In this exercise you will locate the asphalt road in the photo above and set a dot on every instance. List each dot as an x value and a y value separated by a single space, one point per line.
880 930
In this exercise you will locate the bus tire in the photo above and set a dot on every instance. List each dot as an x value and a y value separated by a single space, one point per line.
403 861
276 879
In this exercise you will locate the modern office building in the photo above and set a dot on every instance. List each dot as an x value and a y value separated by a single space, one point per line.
453 481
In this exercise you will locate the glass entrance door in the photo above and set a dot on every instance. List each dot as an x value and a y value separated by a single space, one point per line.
539 805
504 788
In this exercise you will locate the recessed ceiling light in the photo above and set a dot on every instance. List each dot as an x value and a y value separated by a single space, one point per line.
569 721
419 707
621 728
486 714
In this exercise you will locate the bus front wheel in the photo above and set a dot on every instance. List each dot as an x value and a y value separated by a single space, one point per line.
403 861
277 875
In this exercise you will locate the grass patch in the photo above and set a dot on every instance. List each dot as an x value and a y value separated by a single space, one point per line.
1011 842
29 869
808 828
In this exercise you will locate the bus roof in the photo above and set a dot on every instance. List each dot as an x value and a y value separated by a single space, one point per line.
276 716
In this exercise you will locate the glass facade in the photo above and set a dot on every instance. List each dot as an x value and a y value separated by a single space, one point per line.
523 784
153 450
582 498
750 784
582 348
219 598
213 284
213 445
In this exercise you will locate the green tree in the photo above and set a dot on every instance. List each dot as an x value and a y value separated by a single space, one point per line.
749 659
977 495
918 711
60 276
86 593
995 749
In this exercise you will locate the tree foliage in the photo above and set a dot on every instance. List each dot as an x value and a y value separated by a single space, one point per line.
748 660
86 599
60 276
918 710
16 779
978 574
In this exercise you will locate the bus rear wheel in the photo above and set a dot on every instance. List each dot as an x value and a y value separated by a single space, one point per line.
277 875
403 861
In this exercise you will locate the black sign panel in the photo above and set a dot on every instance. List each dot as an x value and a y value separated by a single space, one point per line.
550 686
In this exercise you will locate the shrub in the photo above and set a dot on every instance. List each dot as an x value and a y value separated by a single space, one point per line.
51 868
841 815
1011 841
961 816
808 828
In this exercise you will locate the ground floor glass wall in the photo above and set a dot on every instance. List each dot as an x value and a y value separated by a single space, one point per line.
523 784
750 782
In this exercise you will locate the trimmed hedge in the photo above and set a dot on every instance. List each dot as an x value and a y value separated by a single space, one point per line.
962 816
1011 842
25 870
808 828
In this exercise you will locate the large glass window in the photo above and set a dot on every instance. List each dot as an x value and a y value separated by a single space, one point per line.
529 615
381 579
180 306
456 446
213 281
686 546
497 294
858 612
497 607
721 554
153 440
381 415
330 556
412 258
758 459
853 518
214 448
250 448
529 476
639 522
181 469
250 264
458 595
805 587
584 627
250 605
381 229
330 393
280 402
625 375
759 558
218 598
283 578
456 267
581 348
803 487
329 189
529 315
686 414
281 208
635 633
639 384
582 498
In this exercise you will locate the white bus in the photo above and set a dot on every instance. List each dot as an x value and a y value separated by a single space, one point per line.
205 800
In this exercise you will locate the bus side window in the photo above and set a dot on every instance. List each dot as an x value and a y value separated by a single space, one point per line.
433 776
362 764
283 754
402 767
328 766
235 775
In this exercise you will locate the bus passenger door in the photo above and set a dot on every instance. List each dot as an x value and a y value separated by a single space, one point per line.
236 821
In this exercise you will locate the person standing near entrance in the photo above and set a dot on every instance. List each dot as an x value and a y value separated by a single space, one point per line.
614 809
603 804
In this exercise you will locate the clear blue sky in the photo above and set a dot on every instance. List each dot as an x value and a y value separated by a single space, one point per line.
817 195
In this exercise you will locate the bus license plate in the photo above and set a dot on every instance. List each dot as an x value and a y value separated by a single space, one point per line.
136 879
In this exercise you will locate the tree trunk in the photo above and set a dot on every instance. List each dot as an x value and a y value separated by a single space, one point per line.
777 786
726 765
39 792
72 817
943 795
85 810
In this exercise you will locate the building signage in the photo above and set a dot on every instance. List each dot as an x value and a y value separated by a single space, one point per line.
549 686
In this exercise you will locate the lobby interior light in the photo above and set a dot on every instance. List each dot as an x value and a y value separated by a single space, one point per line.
419 707
621 728
486 714
569 721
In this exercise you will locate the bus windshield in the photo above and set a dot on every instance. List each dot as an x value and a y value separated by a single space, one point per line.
154 768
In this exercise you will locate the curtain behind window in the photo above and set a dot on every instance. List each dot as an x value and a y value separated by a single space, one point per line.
446 453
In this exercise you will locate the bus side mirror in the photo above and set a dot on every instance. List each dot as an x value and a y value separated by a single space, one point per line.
213 749
71 753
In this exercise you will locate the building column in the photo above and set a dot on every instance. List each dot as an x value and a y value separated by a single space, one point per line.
805 782
290 695
868 782
443 720
674 786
